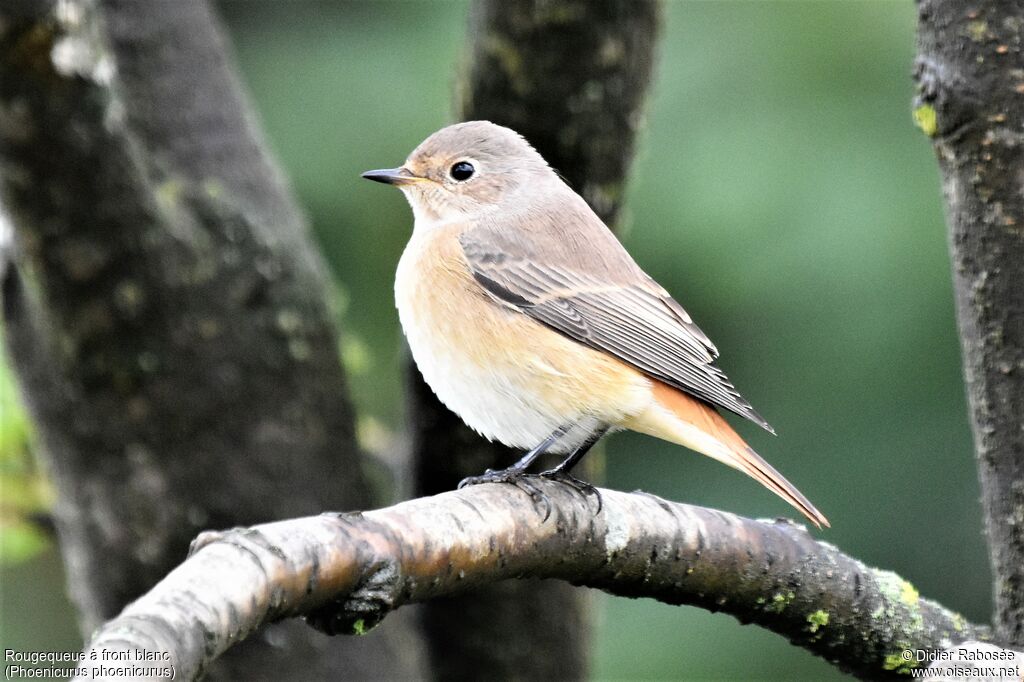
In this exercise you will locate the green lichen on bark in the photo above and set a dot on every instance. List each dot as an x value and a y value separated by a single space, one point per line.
970 74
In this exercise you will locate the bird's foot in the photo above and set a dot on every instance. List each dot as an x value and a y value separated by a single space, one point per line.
510 475
514 476
582 487
520 479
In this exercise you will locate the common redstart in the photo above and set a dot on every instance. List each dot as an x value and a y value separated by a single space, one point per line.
530 320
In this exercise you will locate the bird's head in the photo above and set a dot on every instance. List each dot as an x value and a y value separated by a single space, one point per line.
464 170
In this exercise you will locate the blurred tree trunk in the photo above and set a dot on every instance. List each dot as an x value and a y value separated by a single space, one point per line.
571 76
970 75
166 313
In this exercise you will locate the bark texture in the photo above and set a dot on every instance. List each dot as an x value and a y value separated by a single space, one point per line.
167 315
571 76
362 566
970 76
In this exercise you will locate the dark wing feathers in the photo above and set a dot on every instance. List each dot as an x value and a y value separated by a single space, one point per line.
621 312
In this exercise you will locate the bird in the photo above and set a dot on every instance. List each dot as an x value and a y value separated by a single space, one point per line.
529 319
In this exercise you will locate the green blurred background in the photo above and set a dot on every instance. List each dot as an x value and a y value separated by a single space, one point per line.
780 192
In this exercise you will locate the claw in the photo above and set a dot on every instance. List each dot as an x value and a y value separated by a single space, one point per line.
582 487
513 476
492 476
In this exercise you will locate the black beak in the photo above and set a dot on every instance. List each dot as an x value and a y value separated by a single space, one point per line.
392 176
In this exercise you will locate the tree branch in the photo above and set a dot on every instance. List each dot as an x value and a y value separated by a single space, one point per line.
970 75
353 569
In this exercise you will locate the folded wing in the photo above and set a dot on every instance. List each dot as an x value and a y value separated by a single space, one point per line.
595 294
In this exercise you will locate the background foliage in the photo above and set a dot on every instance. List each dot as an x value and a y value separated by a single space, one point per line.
781 192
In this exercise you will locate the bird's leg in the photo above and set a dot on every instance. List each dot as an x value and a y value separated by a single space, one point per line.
514 473
576 455
561 472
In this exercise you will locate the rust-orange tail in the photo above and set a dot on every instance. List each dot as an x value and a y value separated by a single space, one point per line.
695 424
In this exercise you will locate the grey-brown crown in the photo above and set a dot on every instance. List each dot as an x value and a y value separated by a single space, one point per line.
496 148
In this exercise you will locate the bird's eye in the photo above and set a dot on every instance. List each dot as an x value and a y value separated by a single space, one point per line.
461 171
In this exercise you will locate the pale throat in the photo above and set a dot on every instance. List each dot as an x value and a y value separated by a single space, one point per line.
430 215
